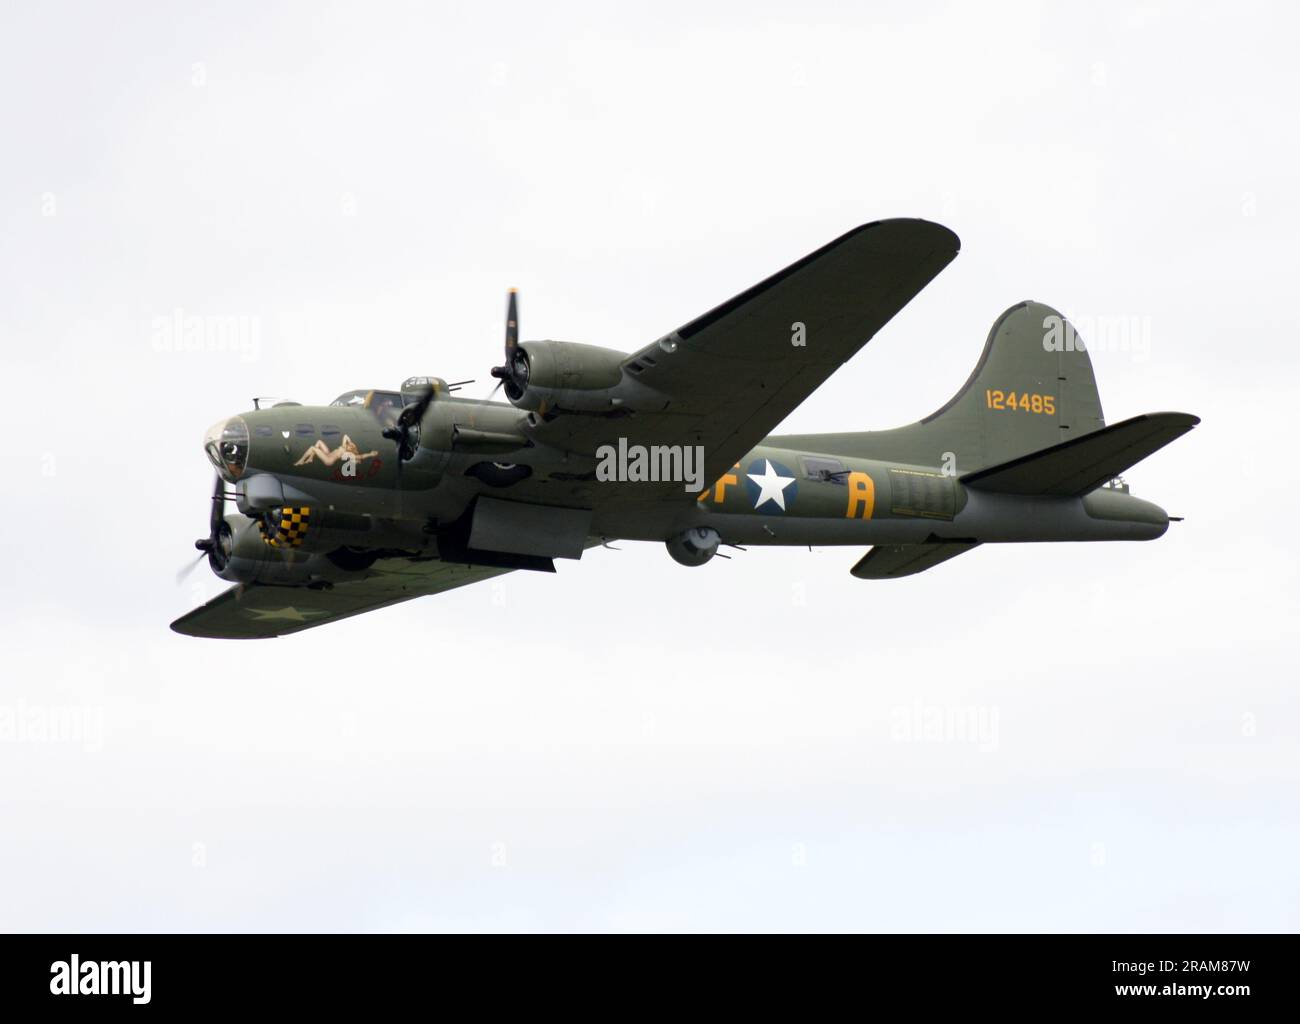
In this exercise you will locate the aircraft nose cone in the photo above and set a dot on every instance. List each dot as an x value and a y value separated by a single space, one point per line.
226 445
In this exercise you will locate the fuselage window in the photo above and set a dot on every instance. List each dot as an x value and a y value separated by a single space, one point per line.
305 430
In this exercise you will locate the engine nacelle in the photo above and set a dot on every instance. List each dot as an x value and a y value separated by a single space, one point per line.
566 375
323 530
246 557
309 528
694 546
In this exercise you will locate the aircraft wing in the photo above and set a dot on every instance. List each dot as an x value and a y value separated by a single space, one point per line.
252 611
732 375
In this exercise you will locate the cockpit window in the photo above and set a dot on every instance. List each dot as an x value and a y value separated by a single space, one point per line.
386 405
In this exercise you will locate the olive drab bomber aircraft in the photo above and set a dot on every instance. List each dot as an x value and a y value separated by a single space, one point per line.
383 496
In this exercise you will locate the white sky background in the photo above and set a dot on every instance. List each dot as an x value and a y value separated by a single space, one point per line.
630 744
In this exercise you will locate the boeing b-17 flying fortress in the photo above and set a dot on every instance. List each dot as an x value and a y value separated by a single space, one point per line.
383 496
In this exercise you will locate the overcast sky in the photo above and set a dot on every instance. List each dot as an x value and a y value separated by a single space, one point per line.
630 744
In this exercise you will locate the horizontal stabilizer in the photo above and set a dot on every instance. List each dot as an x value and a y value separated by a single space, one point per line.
888 561
1083 464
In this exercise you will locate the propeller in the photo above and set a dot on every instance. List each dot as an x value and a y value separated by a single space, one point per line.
513 373
404 431
217 545
184 573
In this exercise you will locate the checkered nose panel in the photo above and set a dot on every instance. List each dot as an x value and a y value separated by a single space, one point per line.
285 527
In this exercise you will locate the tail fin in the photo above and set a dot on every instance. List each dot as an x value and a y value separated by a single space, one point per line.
1032 388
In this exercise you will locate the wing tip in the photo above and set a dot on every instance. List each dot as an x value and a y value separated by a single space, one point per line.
914 229
182 628
1171 418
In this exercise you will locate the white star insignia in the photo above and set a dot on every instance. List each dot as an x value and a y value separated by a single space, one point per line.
771 486
286 614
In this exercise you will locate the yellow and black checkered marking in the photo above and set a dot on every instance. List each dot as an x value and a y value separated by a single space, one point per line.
285 527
